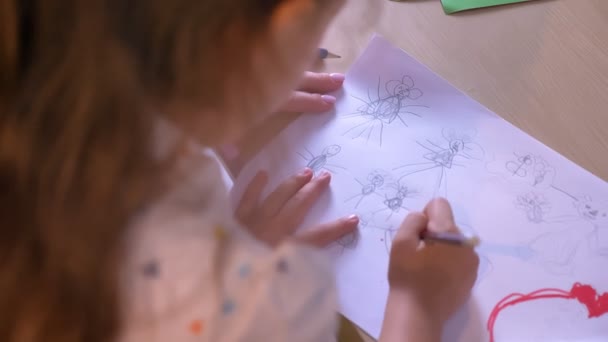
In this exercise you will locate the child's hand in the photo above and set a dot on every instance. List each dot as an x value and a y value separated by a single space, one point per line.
278 216
436 277
310 97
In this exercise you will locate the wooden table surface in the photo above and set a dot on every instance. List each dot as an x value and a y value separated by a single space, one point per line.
541 65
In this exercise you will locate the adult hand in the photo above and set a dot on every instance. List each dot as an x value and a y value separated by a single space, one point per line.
277 217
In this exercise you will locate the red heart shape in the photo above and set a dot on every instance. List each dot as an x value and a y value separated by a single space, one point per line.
597 305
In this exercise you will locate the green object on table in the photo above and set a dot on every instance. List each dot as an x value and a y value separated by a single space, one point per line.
451 6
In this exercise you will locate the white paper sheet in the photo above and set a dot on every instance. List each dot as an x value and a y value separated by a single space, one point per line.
399 136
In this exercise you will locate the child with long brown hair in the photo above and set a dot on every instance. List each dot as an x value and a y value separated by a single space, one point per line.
114 225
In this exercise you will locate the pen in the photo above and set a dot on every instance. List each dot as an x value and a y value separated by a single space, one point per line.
455 239
324 53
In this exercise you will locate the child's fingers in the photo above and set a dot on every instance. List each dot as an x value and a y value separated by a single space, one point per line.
301 102
321 82
327 233
441 218
229 151
410 231
297 207
250 199
289 188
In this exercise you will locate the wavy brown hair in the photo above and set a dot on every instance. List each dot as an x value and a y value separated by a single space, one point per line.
76 82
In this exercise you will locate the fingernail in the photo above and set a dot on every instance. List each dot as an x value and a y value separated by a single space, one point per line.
306 172
328 99
324 175
338 78
353 219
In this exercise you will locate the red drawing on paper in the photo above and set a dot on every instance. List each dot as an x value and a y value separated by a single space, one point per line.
597 305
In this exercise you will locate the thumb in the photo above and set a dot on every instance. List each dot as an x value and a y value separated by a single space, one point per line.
441 217
408 236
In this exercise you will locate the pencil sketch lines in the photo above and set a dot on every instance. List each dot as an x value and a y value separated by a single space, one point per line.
349 241
391 194
443 157
320 162
589 211
555 251
485 268
598 241
384 109
375 181
402 191
550 250
387 231
393 205
394 200
586 208
537 208
519 166
597 215
532 169
534 205
542 170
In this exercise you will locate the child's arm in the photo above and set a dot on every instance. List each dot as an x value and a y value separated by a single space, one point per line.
428 282
407 320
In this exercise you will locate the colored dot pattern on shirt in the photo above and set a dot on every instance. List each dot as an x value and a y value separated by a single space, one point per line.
151 269
228 307
244 270
196 327
220 233
282 266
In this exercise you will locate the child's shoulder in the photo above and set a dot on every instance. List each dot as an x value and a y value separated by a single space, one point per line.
190 265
